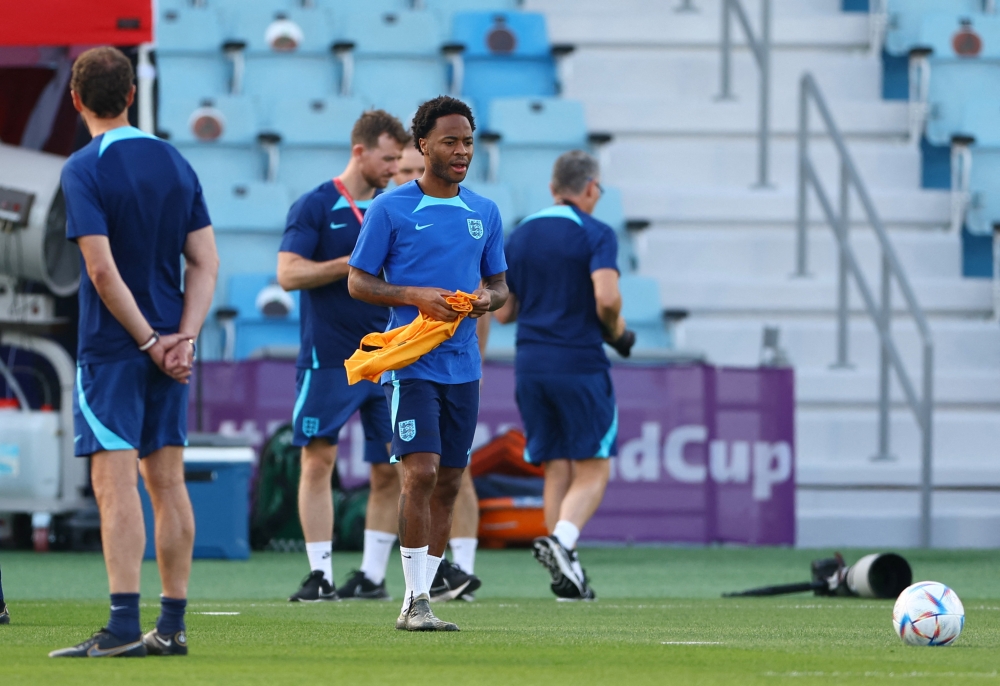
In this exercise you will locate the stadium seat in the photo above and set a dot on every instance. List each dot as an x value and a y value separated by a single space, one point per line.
611 211
397 60
501 195
247 206
218 120
906 20
503 339
961 36
305 167
182 76
533 133
255 330
955 85
186 30
984 186
320 121
261 27
446 9
506 54
643 311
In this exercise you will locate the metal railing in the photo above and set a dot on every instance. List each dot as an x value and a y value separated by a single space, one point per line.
760 47
881 312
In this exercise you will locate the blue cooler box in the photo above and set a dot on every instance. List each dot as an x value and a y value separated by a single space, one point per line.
218 481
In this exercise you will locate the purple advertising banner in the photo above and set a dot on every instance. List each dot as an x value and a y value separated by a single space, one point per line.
705 454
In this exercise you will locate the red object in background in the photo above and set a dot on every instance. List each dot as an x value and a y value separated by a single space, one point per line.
9 404
76 22
504 455
510 522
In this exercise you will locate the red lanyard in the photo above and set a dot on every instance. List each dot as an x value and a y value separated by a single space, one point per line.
350 201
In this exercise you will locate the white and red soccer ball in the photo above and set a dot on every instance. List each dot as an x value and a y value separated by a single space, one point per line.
928 613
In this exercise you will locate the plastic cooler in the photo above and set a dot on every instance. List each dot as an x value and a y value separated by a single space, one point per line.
218 480
510 521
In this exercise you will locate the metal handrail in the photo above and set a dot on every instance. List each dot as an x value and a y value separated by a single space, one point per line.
761 49
881 314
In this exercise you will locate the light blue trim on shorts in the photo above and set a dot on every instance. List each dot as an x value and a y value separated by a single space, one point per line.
301 400
605 448
393 409
315 359
108 439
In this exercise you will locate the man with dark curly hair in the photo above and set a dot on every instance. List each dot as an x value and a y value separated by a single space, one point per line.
431 237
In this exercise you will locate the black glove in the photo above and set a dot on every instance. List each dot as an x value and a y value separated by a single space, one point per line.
623 344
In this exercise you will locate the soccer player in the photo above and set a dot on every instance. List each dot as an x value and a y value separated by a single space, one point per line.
320 234
411 166
432 237
135 207
454 579
564 294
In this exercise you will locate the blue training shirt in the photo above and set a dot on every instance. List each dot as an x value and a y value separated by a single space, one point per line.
552 254
143 195
321 226
450 243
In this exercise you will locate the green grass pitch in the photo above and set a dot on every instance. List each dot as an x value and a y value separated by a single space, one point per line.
659 620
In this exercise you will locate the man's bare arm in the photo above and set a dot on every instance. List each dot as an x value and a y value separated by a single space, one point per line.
371 289
609 302
299 273
491 296
201 262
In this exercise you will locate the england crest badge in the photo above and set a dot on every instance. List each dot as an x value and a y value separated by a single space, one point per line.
407 430
310 425
476 228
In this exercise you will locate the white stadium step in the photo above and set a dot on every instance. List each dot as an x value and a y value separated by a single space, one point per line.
754 252
703 162
746 205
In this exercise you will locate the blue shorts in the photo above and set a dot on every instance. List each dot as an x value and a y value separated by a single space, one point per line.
325 401
568 416
128 405
429 417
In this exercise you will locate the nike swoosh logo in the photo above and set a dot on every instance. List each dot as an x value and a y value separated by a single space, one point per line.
77 439
117 607
408 557
421 228
94 651
165 643
337 226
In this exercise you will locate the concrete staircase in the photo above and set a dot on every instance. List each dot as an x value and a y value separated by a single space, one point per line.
724 251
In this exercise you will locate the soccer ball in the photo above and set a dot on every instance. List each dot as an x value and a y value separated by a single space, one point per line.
928 614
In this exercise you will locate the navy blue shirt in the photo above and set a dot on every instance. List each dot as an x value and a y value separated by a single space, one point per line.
322 226
552 254
450 243
139 192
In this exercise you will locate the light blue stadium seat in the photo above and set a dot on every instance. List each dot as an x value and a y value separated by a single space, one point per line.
275 77
984 185
906 20
249 22
318 121
238 116
611 211
961 36
446 9
955 85
247 206
534 132
234 163
501 195
181 77
305 167
643 311
397 59
254 330
506 54
185 30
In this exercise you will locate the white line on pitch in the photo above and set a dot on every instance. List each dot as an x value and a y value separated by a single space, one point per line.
690 643
214 613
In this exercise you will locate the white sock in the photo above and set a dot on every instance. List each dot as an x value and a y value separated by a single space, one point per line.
414 572
321 558
463 553
566 533
432 569
375 558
